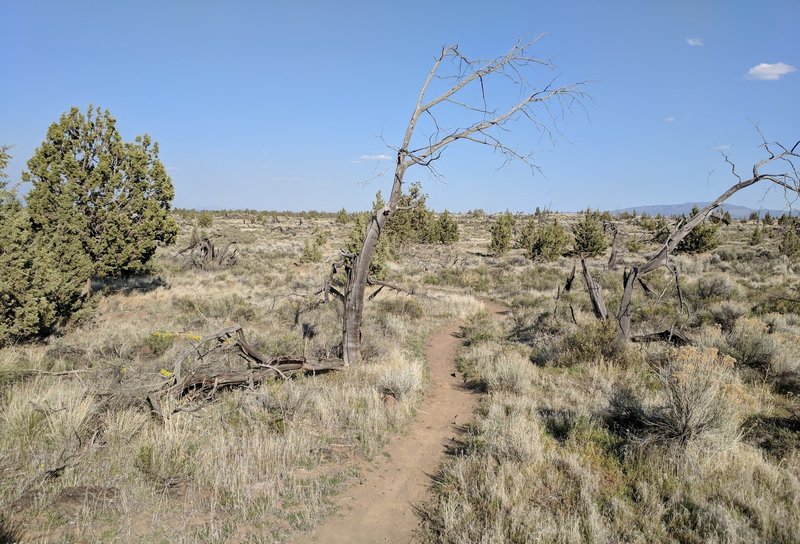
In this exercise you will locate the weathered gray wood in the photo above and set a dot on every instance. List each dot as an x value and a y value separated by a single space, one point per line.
595 293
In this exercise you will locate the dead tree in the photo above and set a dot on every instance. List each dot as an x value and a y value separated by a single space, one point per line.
786 176
202 253
459 86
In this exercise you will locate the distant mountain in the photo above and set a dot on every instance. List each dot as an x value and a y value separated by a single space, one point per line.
738 212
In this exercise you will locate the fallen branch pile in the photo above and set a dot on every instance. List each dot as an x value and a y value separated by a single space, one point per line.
204 382
202 253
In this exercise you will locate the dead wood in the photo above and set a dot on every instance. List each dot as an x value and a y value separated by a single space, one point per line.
259 367
673 337
612 260
595 293
202 254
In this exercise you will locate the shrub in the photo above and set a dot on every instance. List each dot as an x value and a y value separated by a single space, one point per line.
501 231
546 241
445 229
413 223
750 345
789 244
758 237
205 219
312 247
725 314
713 287
700 239
699 390
355 241
342 217
590 240
591 341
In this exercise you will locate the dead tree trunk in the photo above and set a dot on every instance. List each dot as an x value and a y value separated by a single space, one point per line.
482 129
595 293
612 260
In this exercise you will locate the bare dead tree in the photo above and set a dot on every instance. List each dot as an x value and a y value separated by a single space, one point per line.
778 167
456 89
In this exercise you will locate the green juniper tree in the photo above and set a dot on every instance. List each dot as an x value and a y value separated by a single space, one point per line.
501 232
700 239
41 277
590 240
544 240
97 200
445 230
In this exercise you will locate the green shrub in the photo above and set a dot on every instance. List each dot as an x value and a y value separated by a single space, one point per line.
789 244
543 240
501 232
590 240
590 342
205 219
342 217
757 237
445 229
700 239
312 247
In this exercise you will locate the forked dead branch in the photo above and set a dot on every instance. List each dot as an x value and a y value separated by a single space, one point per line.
778 167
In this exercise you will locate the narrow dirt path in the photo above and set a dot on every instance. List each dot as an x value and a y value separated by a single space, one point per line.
379 507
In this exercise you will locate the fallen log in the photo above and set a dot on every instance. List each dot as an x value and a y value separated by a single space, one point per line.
214 381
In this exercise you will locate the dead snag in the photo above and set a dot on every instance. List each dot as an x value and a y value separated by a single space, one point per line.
612 260
595 293
567 289
786 176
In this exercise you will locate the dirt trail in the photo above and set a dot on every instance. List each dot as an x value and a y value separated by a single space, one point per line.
379 507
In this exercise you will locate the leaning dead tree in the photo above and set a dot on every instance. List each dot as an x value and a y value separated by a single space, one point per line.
462 93
778 167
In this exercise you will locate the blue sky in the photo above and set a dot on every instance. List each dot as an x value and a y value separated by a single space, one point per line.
288 105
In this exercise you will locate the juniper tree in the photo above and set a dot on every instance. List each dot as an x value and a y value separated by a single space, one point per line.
445 229
700 239
40 276
590 240
93 194
544 240
501 232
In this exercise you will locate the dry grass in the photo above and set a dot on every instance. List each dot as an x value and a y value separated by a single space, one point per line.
586 443
83 459
577 439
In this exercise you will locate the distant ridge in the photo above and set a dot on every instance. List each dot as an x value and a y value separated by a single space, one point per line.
738 212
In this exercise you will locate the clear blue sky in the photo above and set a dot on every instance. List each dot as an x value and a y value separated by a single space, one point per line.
283 105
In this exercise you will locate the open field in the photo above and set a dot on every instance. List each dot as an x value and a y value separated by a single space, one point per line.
577 438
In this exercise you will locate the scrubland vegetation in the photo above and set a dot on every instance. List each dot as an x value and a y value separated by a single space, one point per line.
582 439
578 438
84 457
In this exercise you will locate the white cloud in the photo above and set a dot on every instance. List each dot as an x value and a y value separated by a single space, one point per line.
769 72
173 169
694 42
375 158
669 119
723 147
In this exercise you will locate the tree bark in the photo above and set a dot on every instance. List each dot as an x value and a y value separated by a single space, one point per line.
595 293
